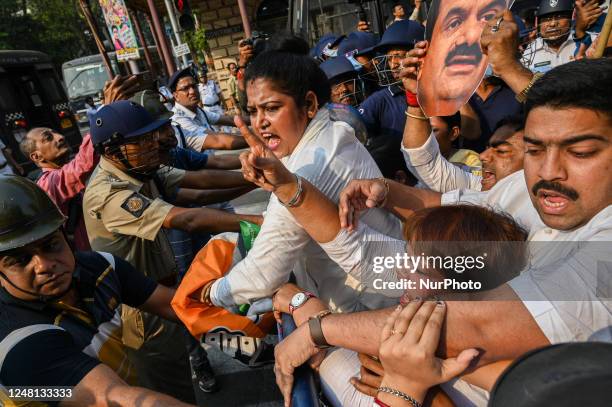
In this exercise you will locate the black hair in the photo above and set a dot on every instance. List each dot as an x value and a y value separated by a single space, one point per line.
287 42
516 122
452 121
579 84
292 74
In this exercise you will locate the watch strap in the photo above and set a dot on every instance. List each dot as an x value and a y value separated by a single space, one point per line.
308 295
316 331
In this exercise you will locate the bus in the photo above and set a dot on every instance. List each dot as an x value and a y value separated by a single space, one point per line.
32 95
85 77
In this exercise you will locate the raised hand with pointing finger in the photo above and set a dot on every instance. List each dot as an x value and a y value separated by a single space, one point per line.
261 167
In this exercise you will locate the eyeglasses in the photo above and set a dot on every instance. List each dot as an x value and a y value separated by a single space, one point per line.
186 88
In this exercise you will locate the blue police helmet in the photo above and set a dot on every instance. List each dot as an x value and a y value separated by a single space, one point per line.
403 33
324 45
555 6
337 67
123 118
358 43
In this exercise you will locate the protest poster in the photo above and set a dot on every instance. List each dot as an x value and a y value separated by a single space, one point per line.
120 28
454 65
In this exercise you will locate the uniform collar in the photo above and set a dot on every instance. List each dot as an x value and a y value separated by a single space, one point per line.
395 90
178 108
569 40
109 167
35 305
7 298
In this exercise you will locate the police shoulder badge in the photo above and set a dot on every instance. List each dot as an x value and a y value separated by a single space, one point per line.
136 204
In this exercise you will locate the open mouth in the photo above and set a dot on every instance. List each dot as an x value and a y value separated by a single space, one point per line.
551 202
272 141
488 179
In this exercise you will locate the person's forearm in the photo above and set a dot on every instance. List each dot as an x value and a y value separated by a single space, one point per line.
193 220
323 227
403 200
187 196
468 324
416 131
139 396
222 141
223 162
213 179
159 303
359 331
516 76
102 387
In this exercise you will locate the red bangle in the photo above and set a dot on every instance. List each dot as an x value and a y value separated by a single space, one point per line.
412 100
380 403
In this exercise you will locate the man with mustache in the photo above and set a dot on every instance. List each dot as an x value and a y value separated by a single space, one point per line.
345 88
64 180
61 309
564 200
556 43
126 208
454 65
195 124
383 112
422 152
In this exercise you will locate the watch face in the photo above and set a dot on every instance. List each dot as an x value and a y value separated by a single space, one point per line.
298 299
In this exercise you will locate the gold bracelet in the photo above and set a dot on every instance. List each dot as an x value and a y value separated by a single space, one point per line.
205 294
414 116
522 96
384 180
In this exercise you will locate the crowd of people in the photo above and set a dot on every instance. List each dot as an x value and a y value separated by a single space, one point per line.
479 139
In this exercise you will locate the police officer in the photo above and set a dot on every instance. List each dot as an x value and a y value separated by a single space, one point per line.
125 209
195 123
384 111
555 44
358 48
345 85
61 310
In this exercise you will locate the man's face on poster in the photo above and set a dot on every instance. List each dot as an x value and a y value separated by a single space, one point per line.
454 65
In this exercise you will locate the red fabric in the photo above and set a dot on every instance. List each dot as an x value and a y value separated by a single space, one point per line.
380 403
65 183
411 98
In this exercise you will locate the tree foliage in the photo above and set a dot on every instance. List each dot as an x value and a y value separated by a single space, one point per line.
55 27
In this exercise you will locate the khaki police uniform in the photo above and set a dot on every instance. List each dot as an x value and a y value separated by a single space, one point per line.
124 216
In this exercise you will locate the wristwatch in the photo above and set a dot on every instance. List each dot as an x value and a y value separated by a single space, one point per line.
299 299
522 96
316 332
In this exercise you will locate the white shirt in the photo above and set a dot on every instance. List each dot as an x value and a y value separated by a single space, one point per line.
328 156
195 125
567 286
436 172
209 92
541 58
